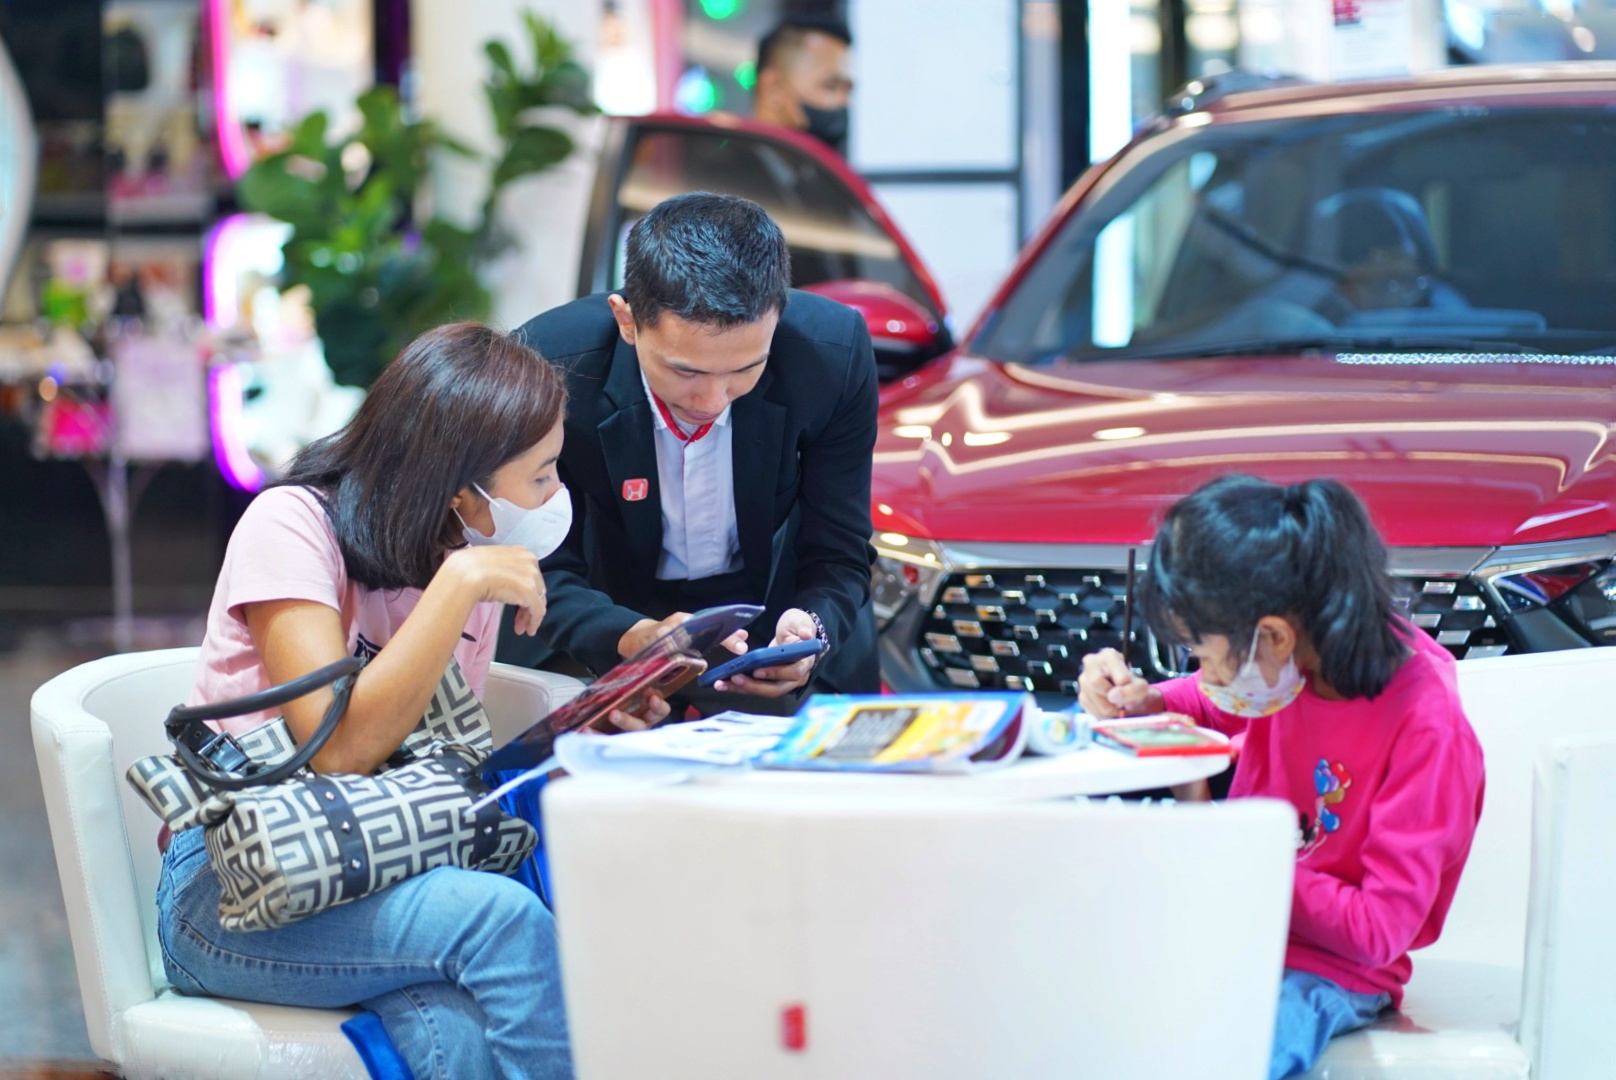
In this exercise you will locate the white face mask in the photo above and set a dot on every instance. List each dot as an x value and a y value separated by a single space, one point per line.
540 529
1248 694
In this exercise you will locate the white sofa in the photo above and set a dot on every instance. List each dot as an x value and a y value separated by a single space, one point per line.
1552 714
89 724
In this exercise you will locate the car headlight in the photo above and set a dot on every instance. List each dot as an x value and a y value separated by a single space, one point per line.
907 570
1582 594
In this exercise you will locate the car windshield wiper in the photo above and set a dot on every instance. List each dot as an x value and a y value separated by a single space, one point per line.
1189 350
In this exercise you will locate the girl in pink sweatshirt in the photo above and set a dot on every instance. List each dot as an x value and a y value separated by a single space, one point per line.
1347 711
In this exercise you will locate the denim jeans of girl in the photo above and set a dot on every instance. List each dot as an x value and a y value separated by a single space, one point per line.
460 965
1312 1011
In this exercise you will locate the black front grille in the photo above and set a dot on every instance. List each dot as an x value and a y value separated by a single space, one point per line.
1024 629
1456 613
1030 629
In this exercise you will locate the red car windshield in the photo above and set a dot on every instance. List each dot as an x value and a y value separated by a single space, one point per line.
1466 230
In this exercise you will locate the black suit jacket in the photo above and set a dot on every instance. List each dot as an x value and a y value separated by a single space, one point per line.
802 443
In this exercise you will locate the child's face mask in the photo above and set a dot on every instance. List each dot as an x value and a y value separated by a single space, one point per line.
1247 694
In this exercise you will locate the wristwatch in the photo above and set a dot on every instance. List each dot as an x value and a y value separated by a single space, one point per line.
819 632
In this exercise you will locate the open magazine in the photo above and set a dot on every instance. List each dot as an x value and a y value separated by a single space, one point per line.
905 733
663 666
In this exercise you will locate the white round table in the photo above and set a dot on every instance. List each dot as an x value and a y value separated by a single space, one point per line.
1094 770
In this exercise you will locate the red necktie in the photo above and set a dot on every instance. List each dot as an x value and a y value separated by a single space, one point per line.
673 425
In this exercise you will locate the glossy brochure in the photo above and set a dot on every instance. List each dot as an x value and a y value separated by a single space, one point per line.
728 740
1166 735
663 666
904 733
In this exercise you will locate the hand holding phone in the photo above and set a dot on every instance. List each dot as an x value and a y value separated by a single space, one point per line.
771 656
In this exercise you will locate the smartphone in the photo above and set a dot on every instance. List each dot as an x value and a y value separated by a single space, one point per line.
772 656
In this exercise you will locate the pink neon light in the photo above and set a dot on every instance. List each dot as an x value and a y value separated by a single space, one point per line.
233 149
227 423
220 303
667 52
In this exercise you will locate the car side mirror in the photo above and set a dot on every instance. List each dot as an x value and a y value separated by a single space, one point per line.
904 334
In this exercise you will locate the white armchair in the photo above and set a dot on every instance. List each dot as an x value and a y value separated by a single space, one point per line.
728 931
1552 855
89 725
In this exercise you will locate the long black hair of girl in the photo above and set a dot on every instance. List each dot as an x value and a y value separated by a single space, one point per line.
1241 548
459 401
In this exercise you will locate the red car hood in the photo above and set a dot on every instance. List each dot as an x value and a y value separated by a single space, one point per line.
1453 455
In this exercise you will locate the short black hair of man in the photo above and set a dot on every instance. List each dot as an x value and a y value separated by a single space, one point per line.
714 260
788 35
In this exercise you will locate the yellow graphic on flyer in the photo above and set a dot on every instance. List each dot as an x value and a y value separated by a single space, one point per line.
883 734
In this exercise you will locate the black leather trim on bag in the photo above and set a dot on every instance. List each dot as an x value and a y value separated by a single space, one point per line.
353 863
485 819
202 749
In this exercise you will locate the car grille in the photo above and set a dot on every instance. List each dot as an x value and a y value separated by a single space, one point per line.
1455 612
1030 629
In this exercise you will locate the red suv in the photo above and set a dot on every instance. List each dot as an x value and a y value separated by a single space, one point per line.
1410 286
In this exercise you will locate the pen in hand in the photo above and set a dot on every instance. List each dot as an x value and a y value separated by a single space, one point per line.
1127 625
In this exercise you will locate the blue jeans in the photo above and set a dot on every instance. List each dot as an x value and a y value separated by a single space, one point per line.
1312 1011
459 965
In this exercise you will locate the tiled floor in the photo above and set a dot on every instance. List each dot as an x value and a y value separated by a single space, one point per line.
42 1031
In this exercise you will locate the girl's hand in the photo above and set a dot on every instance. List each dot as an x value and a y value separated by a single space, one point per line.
503 574
1108 688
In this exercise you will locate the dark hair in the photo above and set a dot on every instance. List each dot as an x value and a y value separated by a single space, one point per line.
716 260
1241 548
460 401
788 35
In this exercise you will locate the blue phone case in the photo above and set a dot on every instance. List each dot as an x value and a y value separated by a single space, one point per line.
771 656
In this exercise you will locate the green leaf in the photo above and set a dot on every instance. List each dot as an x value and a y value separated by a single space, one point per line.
532 149
500 56
309 135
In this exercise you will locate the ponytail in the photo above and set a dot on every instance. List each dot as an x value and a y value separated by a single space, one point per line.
1348 613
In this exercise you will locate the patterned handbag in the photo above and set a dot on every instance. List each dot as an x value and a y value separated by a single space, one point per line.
286 842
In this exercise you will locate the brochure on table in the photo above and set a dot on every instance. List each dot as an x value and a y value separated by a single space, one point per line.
904 733
1161 735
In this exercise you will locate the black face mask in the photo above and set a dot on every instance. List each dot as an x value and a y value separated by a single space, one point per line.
829 126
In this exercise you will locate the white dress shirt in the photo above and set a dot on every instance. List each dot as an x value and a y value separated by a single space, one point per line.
697 478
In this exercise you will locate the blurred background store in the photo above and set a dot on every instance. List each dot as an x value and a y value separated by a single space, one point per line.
160 354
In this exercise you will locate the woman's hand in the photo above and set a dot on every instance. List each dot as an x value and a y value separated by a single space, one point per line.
646 631
1108 688
653 713
503 574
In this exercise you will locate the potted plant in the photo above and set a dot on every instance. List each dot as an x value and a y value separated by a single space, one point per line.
380 267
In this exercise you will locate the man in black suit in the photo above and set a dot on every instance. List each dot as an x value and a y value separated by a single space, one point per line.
718 446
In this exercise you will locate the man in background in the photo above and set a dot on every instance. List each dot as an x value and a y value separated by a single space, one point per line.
803 78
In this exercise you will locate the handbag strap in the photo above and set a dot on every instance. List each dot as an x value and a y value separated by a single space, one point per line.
186 721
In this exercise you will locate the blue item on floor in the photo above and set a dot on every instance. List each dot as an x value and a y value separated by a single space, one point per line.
382 1059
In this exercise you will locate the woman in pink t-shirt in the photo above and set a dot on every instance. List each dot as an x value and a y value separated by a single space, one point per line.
1346 711
398 539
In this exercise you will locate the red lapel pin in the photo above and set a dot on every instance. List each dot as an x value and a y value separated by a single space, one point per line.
635 490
